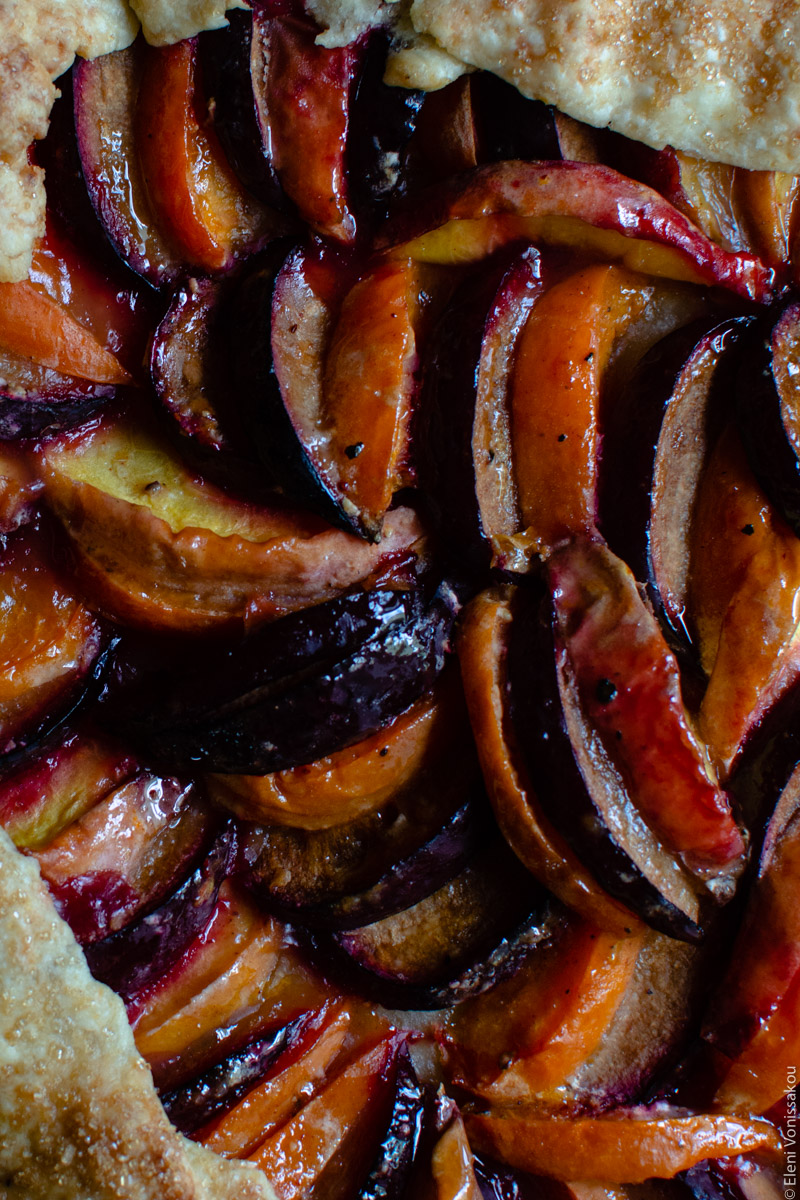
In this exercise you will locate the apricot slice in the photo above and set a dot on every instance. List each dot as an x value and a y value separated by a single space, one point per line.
562 354
529 1033
164 549
624 1147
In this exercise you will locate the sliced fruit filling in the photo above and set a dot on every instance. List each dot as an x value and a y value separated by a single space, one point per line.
401 686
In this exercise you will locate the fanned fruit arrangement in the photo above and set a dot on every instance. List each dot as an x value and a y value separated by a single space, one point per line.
401 692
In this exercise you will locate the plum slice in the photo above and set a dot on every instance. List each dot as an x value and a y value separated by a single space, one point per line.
162 548
581 791
465 407
658 433
105 95
563 353
36 400
327 1147
483 647
133 960
191 369
629 688
190 1108
455 943
323 874
743 588
766 955
331 397
99 881
582 205
306 100
255 708
239 979
361 778
769 410
318 1041
390 1174
197 200
235 62
526 1036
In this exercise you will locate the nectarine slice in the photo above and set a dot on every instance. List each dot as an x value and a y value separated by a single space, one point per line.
162 548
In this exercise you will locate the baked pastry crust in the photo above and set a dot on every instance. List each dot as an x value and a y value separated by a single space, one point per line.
79 1116
719 80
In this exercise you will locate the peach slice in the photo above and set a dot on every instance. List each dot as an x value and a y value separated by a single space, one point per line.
581 205
48 638
624 1147
164 549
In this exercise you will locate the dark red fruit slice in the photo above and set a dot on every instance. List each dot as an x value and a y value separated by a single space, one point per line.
455 943
580 790
768 407
215 1091
390 1174
465 441
106 91
306 96
657 437
265 711
134 959
235 62
629 688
